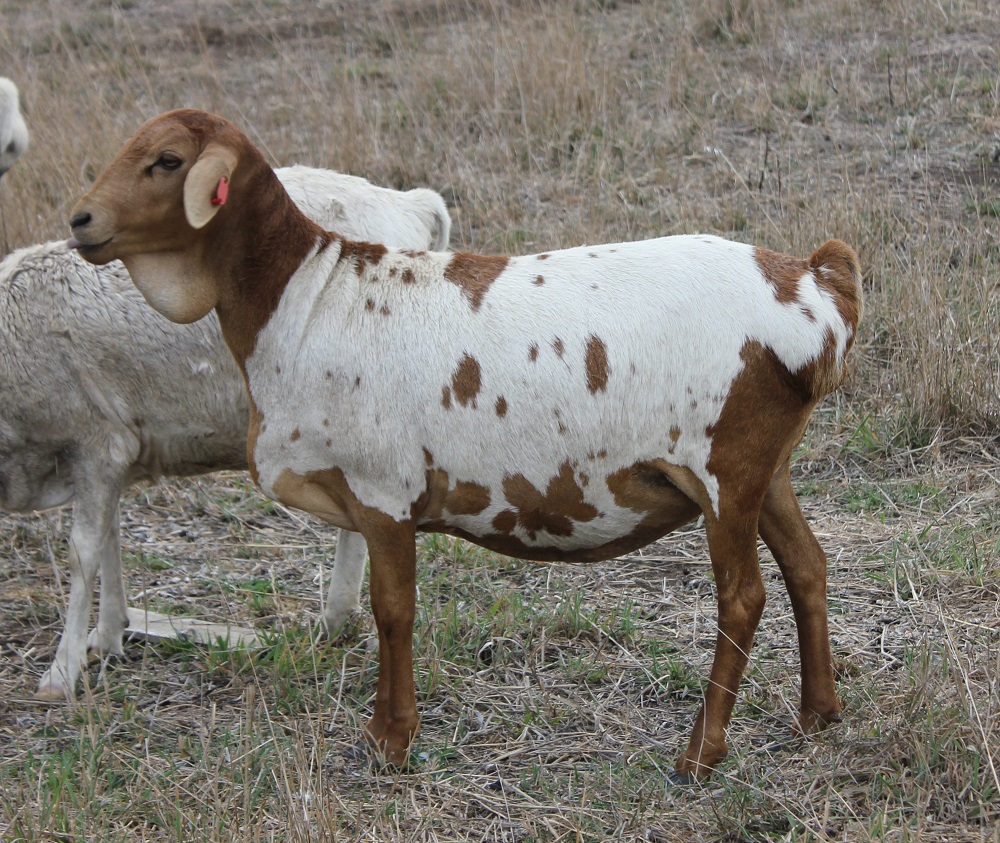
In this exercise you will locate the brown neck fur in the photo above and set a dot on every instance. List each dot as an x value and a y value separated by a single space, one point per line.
253 246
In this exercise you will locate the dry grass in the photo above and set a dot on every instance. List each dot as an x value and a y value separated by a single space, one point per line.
555 698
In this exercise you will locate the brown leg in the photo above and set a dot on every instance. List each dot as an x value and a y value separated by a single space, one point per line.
803 566
392 550
732 544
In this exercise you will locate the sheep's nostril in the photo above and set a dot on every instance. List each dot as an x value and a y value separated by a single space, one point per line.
79 220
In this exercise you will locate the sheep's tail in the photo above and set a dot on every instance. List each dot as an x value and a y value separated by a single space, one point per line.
438 219
836 268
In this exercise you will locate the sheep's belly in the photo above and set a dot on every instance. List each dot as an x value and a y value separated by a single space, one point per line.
575 514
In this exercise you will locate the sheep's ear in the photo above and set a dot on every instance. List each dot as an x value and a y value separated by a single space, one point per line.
206 184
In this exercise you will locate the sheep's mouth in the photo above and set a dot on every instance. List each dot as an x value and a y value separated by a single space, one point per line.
85 249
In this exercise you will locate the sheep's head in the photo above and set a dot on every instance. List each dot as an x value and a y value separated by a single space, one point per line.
154 206
13 132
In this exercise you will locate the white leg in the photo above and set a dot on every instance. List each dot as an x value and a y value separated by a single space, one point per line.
112 607
93 543
342 599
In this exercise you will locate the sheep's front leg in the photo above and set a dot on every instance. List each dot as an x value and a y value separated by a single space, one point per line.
342 598
393 586
803 566
94 543
732 545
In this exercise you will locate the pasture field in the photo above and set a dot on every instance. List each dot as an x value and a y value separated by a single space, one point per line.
555 698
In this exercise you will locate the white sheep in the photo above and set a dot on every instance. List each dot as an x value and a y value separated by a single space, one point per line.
97 390
572 405
13 132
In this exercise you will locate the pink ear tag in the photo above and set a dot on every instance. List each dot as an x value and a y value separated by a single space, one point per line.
221 192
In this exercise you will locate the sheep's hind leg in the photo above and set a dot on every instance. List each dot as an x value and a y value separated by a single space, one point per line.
343 595
803 565
732 542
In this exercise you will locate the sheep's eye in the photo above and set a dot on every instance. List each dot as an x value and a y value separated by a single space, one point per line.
11 147
168 162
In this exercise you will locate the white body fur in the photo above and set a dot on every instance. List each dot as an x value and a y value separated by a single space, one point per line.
97 390
13 132
713 299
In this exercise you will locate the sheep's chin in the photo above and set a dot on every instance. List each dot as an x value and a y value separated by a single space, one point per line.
92 252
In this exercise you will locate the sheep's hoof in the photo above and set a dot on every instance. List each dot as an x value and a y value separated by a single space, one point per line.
360 752
105 643
677 779
50 692
810 723
347 630
367 753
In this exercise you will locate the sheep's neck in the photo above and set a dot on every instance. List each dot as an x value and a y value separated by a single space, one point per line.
173 284
271 246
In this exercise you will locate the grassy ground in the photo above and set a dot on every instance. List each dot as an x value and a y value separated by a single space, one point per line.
555 698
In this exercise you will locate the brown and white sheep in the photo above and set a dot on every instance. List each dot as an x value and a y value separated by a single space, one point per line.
97 390
570 405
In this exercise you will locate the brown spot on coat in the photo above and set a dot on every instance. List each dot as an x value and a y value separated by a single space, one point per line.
466 381
474 274
559 347
533 352
553 511
428 457
505 521
782 272
597 365
501 406
362 254
296 435
446 397
539 281
409 277
544 256
357 381
384 310
467 498
370 304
